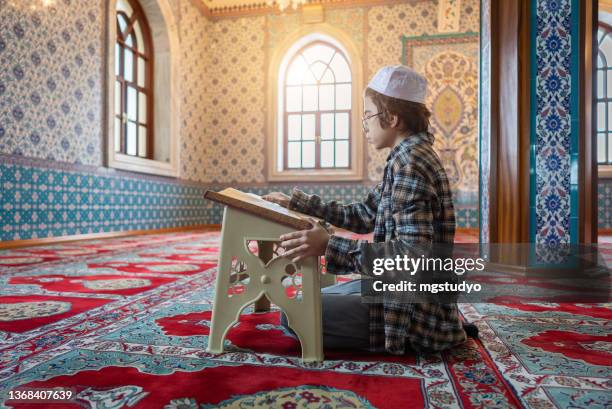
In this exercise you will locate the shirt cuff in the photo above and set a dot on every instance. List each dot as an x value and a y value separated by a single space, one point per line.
339 255
298 201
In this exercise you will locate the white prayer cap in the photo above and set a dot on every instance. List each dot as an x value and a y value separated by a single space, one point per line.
399 81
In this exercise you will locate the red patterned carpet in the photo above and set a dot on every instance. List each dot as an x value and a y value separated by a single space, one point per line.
124 323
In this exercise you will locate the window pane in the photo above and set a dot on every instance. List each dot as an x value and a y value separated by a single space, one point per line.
117 134
327 126
117 59
342 126
318 69
142 107
318 52
327 154
296 71
343 96
131 138
294 99
601 116
118 97
328 77
600 61
139 41
142 141
600 84
128 65
294 154
141 72
310 98
606 48
122 23
342 154
609 157
308 127
609 84
308 154
124 5
130 40
131 103
317 83
609 116
294 128
309 78
326 97
341 69
601 147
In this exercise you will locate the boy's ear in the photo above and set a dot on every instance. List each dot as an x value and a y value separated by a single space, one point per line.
394 121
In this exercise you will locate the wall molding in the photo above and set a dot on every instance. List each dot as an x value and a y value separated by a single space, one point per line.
259 9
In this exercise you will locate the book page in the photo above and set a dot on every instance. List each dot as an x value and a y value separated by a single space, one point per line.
258 201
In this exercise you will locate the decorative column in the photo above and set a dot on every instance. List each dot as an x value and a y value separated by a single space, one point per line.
537 173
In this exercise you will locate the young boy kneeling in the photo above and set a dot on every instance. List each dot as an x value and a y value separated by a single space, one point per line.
412 203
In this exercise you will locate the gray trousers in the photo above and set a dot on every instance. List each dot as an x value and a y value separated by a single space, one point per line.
346 320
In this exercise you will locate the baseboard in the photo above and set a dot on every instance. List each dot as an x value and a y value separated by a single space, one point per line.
105 235
472 231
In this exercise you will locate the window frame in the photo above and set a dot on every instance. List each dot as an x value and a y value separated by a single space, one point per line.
166 104
146 52
317 113
604 170
279 63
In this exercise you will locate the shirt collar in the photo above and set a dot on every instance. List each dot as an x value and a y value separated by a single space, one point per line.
410 141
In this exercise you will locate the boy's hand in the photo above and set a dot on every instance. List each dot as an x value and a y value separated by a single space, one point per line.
278 198
305 243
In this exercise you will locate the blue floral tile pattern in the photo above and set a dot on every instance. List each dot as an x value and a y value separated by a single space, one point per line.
39 202
604 204
554 116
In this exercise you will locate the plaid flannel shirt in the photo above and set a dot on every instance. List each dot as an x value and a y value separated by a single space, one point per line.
413 203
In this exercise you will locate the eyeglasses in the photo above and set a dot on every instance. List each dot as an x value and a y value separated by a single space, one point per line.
364 120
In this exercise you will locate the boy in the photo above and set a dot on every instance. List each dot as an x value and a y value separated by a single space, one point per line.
412 203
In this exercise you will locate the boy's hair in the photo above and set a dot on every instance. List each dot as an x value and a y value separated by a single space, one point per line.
414 115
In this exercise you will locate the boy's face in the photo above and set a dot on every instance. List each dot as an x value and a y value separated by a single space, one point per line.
373 132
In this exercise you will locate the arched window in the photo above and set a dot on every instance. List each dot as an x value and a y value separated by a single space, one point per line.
142 77
317 108
604 95
133 82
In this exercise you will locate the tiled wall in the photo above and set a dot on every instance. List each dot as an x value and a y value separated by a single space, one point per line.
226 131
51 81
387 24
225 137
604 203
555 116
51 100
46 201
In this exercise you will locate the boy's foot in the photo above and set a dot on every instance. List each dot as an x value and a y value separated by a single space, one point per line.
470 329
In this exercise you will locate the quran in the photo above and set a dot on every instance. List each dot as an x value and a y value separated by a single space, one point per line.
256 205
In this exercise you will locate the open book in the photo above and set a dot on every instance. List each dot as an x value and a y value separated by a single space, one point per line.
256 205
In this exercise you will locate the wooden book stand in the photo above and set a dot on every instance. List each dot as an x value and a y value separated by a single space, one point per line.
252 269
